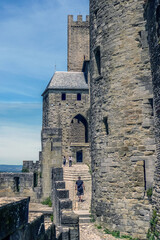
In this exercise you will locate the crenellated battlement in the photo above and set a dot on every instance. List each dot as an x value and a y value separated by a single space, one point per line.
78 42
79 19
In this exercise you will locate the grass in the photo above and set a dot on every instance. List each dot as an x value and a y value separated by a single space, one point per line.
149 192
47 201
117 234
99 226
92 218
51 218
152 232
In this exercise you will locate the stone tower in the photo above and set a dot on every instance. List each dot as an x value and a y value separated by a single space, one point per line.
66 102
122 137
152 14
78 43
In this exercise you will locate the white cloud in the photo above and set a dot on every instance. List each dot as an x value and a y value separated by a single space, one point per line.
19 105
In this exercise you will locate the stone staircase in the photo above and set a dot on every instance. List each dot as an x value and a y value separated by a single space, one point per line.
70 176
84 216
72 173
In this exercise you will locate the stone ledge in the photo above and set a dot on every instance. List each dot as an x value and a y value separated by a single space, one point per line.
80 144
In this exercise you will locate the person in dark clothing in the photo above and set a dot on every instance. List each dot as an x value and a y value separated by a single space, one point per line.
70 161
80 188
64 161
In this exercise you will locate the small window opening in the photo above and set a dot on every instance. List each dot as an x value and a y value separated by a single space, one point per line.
151 104
105 120
95 12
72 121
63 97
95 18
98 60
16 182
51 145
35 179
144 169
78 97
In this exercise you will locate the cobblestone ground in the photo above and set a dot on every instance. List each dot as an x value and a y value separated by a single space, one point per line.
90 232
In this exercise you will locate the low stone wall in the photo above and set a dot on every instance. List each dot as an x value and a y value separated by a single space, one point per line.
13 216
14 223
65 219
19 185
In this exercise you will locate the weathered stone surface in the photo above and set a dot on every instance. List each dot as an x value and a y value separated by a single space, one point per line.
64 217
19 185
152 15
121 115
12 216
78 43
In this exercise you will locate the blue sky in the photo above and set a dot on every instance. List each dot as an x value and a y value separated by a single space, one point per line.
33 40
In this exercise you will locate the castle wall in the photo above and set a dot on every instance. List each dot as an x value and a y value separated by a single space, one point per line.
51 156
19 185
152 14
61 114
17 224
30 166
78 43
122 126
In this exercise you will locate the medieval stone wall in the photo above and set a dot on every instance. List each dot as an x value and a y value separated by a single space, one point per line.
61 114
152 15
51 156
78 43
77 131
122 127
19 185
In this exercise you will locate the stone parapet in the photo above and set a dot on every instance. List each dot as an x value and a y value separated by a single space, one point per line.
13 215
64 218
15 224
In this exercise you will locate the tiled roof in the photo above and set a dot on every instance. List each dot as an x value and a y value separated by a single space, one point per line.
68 80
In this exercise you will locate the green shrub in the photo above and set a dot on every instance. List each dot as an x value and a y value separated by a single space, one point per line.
149 192
51 218
99 227
152 232
47 201
92 218
116 234
25 170
107 231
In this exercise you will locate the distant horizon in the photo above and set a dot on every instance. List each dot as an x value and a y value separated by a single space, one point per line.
11 164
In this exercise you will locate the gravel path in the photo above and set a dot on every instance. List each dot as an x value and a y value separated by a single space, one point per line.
90 232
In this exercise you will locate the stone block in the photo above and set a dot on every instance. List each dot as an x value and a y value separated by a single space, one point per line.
60 185
69 218
65 204
14 215
61 193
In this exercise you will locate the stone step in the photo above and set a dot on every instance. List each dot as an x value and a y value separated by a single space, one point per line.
75 179
84 220
84 216
74 175
76 172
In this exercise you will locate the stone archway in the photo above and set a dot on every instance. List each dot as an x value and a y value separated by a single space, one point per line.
79 129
